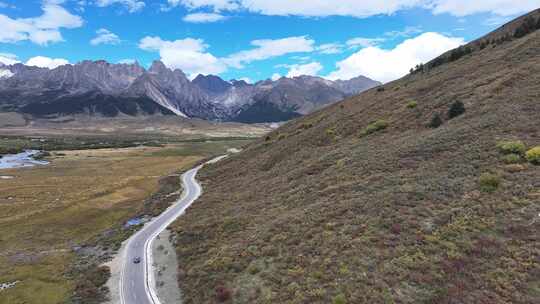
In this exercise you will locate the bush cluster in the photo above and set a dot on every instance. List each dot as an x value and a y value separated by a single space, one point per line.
533 155
374 127
412 104
418 68
489 182
528 26
511 147
514 152
436 121
512 159
454 55
90 287
339 299
457 108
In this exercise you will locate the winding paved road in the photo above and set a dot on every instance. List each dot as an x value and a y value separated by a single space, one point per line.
137 285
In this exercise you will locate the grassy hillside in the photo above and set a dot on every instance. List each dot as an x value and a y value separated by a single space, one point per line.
376 200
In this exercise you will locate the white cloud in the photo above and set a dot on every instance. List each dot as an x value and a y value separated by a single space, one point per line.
310 8
189 55
46 62
192 56
268 48
127 61
218 5
497 7
203 17
275 76
330 48
363 42
42 30
246 79
387 65
8 59
357 8
104 36
311 69
404 33
301 58
131 5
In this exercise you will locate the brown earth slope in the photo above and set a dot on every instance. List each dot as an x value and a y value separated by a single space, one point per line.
322 212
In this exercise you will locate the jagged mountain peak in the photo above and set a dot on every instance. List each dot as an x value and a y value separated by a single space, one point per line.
212 84
158 67
207 96
239 83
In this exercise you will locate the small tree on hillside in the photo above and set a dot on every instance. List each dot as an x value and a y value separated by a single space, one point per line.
436 121
457 108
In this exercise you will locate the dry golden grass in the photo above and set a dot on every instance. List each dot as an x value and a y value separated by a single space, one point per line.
321 211
48 210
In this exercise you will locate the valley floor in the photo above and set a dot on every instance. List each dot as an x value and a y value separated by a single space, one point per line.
56 219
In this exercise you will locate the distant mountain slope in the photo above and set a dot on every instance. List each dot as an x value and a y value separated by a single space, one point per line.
101 88
392 196
98 88
212 84
283 98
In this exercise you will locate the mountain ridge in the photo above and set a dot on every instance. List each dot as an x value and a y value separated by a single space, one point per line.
102 88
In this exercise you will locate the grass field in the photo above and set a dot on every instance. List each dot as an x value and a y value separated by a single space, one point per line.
47 211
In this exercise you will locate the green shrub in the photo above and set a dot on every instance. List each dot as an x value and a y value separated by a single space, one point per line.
331 132
412 104
489 182
418 68
253 269
511 147
374 127
533 155
512 158
461 51
339 299
456 109
436 121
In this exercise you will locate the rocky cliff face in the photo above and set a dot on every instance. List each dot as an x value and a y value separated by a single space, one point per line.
101 88
212 85
284 98
90 87
355 86
173 90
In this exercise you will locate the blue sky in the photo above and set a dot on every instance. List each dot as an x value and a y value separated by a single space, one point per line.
253 39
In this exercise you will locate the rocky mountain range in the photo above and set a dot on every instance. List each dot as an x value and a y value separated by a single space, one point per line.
105 89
